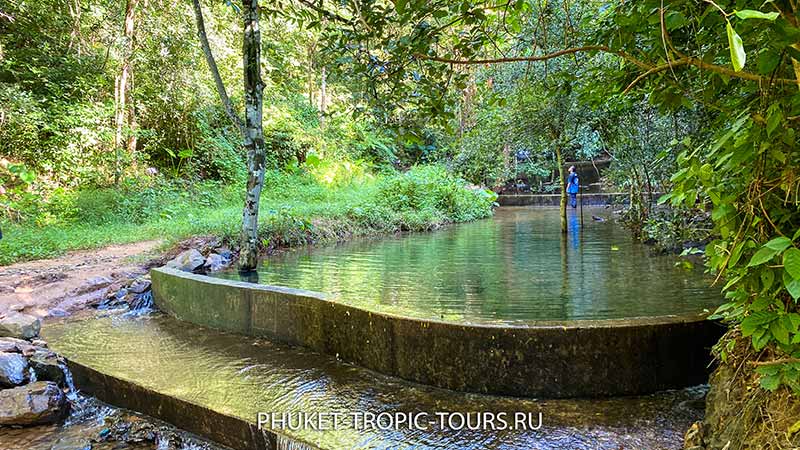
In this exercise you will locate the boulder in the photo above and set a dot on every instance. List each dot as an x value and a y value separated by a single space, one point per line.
47 367
215 262
57 312
13 369
93 284
14 345
188 261
36 403
139 286
20 325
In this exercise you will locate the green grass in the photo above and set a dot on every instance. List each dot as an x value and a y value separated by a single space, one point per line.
295 210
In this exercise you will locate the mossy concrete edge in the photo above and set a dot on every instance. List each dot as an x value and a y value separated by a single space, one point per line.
536 359
228 430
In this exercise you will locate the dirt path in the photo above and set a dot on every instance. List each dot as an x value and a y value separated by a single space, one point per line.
63 284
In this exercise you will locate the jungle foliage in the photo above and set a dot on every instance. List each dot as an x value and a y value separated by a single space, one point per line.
696 99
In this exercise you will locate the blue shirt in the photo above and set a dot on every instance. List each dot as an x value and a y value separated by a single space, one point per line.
572 183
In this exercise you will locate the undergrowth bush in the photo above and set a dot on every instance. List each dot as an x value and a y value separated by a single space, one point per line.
296 208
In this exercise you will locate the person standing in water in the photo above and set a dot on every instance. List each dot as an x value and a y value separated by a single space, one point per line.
573 185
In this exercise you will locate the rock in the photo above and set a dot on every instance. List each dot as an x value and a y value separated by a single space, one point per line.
188 261
112 303
13 369
47 367
36 403
39 343
93 284
57 312
17 307
215 262
20 325
225 253
14 345
139 286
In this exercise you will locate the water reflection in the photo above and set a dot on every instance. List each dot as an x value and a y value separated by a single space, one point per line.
512 268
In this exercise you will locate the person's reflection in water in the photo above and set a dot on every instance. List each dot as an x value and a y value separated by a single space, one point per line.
574 228
249 277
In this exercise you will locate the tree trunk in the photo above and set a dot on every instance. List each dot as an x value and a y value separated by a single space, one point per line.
212 66
122 84
563 203
796 65
253 136
323 96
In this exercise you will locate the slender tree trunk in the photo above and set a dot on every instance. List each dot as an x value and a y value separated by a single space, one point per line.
563 202
796 65
212 66
467 109
251 128
253 136
323 96
122 112
75 35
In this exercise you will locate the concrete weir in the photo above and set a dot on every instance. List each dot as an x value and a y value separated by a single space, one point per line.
226 429
588 358
589 199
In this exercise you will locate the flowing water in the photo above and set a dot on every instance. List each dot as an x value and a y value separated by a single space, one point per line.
243 376
513 268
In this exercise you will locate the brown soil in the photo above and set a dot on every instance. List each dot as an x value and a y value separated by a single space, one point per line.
68 283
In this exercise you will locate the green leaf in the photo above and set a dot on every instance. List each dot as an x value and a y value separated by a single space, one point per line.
770 382
736 253
762 255
794 289
780 333
767 62
767 278
738 57
753 14
779 244
791 262
754 321
760 340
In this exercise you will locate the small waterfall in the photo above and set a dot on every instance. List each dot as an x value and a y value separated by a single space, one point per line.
31 375
142 303
285 443
72 393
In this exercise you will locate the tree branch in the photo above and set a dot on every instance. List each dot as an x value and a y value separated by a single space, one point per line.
649 68
331 15
212 65
569 51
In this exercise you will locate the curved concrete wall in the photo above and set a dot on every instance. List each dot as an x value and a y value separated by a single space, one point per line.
541 359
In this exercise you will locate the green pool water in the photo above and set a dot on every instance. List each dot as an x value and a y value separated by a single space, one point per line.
514 268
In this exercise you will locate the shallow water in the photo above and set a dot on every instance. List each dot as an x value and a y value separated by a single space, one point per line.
243 376
513 268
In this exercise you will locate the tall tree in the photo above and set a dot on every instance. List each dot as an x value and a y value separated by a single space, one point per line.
251 128
253 136
124 114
